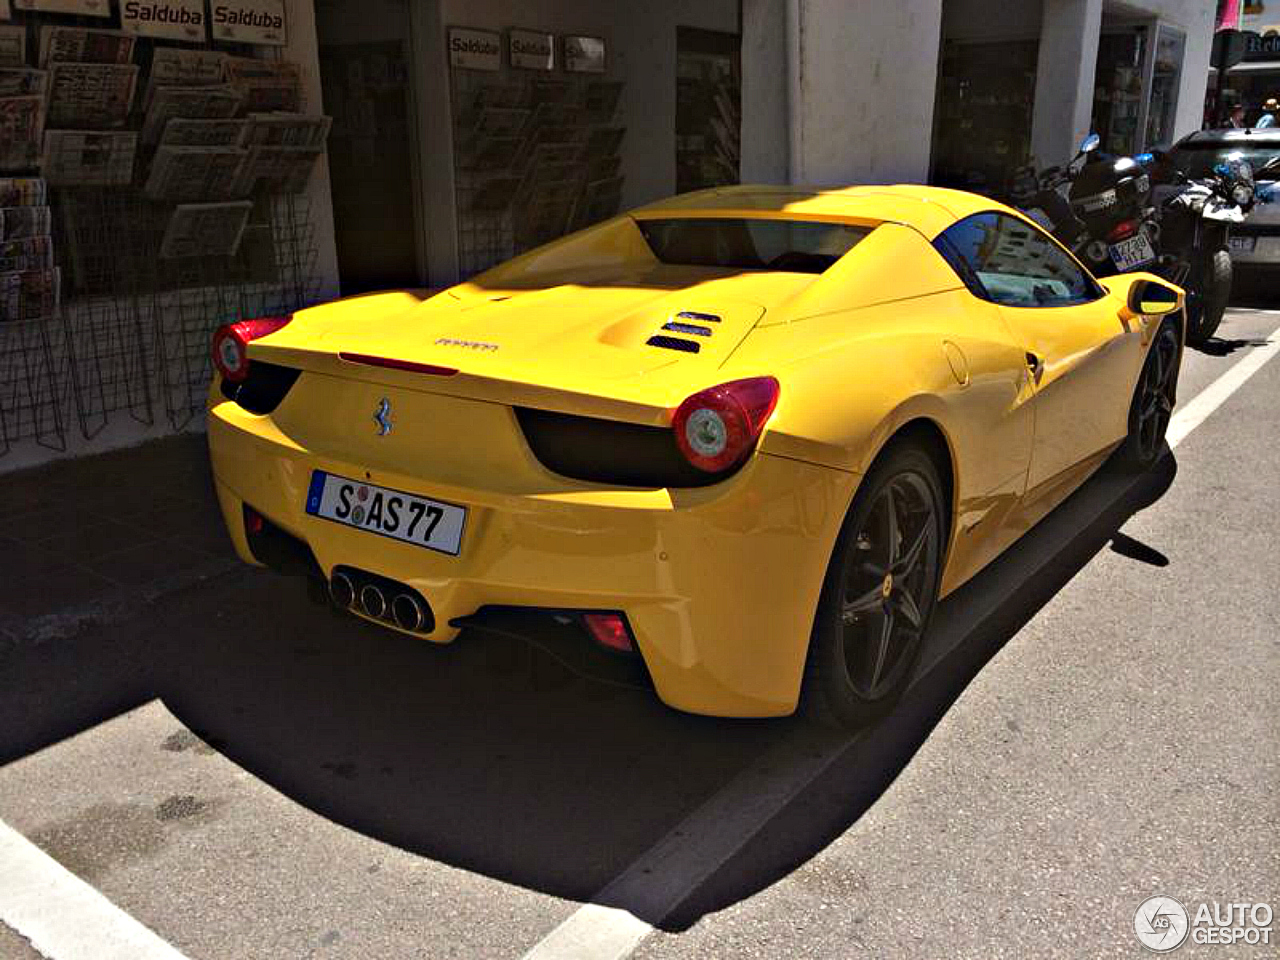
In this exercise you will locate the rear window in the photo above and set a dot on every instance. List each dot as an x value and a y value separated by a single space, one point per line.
795 246
1198 160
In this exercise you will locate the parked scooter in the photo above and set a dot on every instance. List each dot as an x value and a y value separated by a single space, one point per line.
1109 220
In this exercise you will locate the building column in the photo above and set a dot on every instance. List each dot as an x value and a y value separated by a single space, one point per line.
836 92
1064 78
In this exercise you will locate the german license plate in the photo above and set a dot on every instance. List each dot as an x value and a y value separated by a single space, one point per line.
1242 244
1131 253
388 513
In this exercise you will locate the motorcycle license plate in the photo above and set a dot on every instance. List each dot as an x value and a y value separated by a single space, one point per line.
1131 253
1242 244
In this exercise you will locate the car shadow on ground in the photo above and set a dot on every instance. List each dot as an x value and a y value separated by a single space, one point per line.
486 759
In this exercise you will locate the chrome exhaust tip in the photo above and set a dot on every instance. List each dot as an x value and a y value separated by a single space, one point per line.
372 601
341 590
407 612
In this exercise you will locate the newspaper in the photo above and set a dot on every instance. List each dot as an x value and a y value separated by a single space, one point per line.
219 102
267 84
29 253
275 170
287 130
88 158
205 229
88 8
19 222
90 96
18 81
176 67
30 294
22 192
84 45
188 174
181 132
13 45
21 123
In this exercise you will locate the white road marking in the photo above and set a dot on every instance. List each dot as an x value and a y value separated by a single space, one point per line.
704 841
64 917
1211 397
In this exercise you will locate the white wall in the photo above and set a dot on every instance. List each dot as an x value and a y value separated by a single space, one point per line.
765 112
864 76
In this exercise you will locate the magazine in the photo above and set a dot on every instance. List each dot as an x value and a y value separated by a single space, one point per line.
19 81
275 170
287 129
84 45
19 222
30 294
218 102
177 67
29 253
205 229
267 84
21 123
13 45
90 96
188 174
22 192
181 132
88 158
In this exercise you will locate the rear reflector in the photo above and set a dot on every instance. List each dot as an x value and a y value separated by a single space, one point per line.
610 630
393 364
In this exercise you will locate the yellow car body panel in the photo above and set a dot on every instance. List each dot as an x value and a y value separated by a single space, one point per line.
719 583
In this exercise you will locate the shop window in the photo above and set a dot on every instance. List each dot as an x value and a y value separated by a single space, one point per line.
536 156
151 187
708 108
1165 77
982 125
1117 98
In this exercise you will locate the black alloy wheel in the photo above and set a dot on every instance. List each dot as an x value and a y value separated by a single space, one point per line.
1152 406
879 593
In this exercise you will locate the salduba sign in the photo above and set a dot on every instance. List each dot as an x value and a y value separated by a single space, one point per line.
474 49
171 19
249 21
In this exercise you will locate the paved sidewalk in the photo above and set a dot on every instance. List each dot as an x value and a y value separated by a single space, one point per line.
87 538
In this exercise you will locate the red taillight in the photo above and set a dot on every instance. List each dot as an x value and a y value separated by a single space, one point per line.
231 344
253 521
1122 231
609 630
717 427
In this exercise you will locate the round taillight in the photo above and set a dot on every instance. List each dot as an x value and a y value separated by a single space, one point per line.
231 344
716 428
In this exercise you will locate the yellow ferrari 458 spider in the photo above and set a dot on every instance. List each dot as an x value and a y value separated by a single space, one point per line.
743 439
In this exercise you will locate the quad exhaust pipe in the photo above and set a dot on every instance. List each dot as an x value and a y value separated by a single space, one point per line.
407 613
380 599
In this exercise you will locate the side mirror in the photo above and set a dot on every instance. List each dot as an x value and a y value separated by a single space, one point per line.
1153 298
1090 143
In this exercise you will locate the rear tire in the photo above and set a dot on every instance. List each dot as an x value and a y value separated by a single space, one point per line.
1152 404
1205 314
879 592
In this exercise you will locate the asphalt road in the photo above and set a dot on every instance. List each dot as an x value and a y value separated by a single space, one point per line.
252 776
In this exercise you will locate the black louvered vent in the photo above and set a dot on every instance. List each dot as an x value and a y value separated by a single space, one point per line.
700 317
690 328
673 343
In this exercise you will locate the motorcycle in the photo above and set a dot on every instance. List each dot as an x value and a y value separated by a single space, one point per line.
1111 222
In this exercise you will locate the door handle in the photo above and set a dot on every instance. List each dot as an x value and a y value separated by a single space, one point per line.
1035 365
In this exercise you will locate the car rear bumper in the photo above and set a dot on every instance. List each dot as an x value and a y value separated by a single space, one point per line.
719 584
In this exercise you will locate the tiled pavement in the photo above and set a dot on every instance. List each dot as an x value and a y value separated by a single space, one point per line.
81 538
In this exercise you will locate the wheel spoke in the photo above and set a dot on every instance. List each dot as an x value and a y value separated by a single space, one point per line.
882 650
905 604
892 533
911 556
871 600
